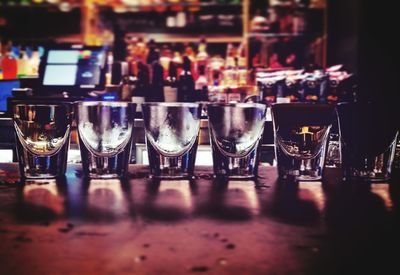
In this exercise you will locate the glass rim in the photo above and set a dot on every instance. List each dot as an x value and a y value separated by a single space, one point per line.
66 104
105 103
301 104
172 104
360 103
237 104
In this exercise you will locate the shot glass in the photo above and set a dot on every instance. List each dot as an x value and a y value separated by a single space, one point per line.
235 131
368 140
172 131
105 137
301 133
42 138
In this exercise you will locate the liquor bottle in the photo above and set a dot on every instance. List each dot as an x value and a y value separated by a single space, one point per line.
110 61
153 54
311 89
177 59
9 65
214 92
127 86
156 93
201 85
22 63
118 71
142 87
170 86
202 55
267 92
243 77
292 86
186 83
235 72
272 87
141 49
189 52
165 58
201 80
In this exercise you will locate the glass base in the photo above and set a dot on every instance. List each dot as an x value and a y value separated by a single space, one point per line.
366 176
235 168
171 177
32 177
235 177
297 175
308 178
103 176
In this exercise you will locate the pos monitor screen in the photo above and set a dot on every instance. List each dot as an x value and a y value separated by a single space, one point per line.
75 68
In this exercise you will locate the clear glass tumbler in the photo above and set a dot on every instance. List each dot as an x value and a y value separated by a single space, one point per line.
368 140
42 135
172 131
235 132
301 134
105 137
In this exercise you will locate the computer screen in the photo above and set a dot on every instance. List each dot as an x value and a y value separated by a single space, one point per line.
6 87
73 68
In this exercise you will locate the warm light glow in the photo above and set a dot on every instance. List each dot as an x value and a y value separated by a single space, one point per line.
248 188
312 191
181 186
382 190
106 193
43 193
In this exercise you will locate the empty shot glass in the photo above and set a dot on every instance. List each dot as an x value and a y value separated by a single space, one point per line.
172 131
235 132
301 134
368 140
105 137
42 138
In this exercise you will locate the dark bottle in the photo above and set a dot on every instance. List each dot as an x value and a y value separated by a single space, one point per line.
203 95
201 85
292 87
142 87
156 93
332 91
171 84
315 87
186 91
127 86
154 54
271 88
201 80
119 69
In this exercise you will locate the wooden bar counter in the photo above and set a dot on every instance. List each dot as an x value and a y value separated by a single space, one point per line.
140 226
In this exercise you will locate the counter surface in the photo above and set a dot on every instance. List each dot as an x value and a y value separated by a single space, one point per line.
140 226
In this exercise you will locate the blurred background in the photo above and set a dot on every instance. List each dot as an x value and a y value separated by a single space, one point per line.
268 33
215 50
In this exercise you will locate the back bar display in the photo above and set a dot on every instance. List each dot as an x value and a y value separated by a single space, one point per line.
73 68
